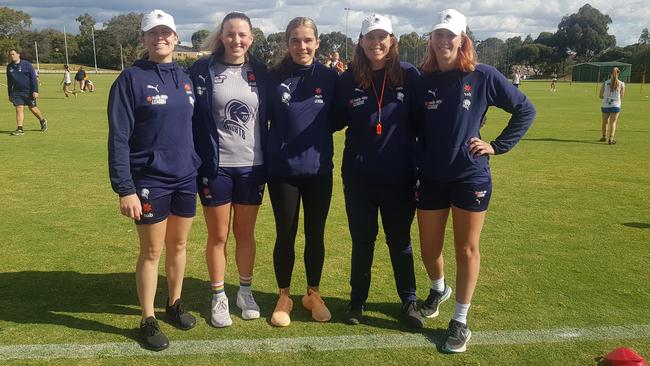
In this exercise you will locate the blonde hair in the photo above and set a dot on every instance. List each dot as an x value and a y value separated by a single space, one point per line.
295 23
214 44
360 66
613 77
466 59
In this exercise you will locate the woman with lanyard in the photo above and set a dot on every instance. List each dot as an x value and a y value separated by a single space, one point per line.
374 97
230 127
152 166
455 93
300 151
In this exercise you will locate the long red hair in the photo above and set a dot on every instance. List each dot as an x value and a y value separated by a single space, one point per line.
466 59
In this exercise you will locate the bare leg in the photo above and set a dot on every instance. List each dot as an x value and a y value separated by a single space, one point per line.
603 127
152 241
36 112
217 220
467 233
244 230
20 115
613 122
432 224
178 229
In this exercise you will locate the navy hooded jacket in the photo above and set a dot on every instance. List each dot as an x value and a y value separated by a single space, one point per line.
150 108
21 78
204 127
300 135
454 103
368 156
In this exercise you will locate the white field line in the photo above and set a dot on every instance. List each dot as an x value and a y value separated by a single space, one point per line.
316 344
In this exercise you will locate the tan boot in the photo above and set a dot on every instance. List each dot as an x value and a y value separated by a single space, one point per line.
280 317
313 302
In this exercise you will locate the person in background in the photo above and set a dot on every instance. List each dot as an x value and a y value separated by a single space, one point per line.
152 167
22 88
554 81
66 81
300 151
79 77
374 100
611 94
454 176
336 63
516 78
230 131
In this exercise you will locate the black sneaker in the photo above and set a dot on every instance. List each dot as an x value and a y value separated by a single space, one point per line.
152 338
458 334
44 125
18 132
412 314
432 303
354 316
179 316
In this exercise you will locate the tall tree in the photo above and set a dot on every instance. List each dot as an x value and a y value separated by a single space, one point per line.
121 30
260 47
13 25
278 46
198 37
85 39
585 33
644 38
336 41
412 47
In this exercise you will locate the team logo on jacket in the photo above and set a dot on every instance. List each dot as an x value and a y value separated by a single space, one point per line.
144 193
250 76
218 79
400 93
318 96
159 99
467 93
355 102
188 88
238 114
286 93
432 104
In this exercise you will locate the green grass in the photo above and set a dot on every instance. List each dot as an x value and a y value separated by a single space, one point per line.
565 243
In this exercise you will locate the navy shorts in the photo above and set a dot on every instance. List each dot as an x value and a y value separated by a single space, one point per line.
23 100
472 194
241 185
159 202
611 109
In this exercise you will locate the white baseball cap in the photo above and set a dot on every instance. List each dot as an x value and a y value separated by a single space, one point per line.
374 22
156 18
452 20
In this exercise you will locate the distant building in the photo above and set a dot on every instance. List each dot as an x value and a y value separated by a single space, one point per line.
188 53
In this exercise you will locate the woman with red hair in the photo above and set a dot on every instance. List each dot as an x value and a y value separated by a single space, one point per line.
453 172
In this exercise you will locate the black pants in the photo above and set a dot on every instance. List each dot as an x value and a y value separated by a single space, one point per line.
285 193
396 204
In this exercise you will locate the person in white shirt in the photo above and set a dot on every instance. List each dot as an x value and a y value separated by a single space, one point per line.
611 94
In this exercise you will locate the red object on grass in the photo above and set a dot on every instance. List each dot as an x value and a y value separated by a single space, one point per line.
624 356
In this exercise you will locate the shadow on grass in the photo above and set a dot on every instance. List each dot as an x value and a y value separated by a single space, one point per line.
552 139
638 225
64 298
6 132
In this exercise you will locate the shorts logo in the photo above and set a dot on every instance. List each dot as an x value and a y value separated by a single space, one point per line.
147 210
479 196
144 193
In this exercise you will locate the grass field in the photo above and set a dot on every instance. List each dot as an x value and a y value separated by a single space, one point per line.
565 246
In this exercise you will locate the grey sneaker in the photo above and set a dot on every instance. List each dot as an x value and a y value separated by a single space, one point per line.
247 304
432 303
220 312
18 132
44 125
458 334
412 314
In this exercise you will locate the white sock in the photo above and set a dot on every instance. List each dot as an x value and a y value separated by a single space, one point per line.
439 284
245 289
460 312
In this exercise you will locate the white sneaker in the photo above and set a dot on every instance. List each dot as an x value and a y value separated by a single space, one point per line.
247 304
220 312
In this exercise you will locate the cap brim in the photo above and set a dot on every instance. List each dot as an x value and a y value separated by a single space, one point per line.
455 30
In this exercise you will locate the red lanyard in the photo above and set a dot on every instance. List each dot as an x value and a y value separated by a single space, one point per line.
379 99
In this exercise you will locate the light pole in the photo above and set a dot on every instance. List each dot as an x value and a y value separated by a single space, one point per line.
347 12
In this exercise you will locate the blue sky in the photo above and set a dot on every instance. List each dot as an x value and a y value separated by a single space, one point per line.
486 18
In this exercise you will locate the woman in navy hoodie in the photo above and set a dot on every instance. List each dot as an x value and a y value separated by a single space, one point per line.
375 97
152 166
230 128
300 150
454 175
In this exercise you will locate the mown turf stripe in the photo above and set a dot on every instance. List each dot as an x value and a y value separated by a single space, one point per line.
336 343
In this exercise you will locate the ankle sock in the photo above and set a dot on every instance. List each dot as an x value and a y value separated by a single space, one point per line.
439 284
460 312
218 288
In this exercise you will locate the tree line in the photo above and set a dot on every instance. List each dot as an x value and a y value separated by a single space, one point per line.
580 37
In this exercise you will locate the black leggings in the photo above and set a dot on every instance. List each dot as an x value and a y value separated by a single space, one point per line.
285 193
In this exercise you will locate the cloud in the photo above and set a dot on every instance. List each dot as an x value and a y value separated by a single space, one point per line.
486 18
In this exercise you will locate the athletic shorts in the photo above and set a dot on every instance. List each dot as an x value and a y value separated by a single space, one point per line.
472 194
159 202
611 109
241 185
23 100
